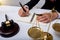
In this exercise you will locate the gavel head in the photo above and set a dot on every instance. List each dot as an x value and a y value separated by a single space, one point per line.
35 32
7 24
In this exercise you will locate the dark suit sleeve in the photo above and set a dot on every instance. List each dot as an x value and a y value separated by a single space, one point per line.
32 3
57 5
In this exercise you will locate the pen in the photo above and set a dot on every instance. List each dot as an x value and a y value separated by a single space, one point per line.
22 7
32 17
39 14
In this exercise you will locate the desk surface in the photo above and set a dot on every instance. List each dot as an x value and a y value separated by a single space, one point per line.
12 11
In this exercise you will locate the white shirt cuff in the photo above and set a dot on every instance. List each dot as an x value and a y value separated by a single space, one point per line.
26 6
58 16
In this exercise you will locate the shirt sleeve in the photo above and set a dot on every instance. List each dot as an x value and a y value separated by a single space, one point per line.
58 16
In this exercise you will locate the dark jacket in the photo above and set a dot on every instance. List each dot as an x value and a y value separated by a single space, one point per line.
48 4
32 3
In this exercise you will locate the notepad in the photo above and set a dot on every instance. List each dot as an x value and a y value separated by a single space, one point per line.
25 19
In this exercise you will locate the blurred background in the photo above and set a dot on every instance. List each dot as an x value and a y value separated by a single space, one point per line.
16 2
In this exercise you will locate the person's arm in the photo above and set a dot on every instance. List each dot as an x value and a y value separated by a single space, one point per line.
32 3
27 7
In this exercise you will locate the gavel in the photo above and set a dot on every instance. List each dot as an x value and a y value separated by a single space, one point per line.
9 28
8 24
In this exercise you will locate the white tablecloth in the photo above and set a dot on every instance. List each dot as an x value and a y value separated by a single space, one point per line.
12 12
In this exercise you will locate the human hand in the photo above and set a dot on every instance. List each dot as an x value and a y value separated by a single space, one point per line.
47 17
22 13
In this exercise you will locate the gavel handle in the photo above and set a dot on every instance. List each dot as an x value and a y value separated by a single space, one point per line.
6 17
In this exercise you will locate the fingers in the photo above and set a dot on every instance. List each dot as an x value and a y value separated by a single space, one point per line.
40 17
27 10
22 13
46 21
44 18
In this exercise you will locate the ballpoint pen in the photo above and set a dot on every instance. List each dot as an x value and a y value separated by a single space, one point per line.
32 17
22 7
